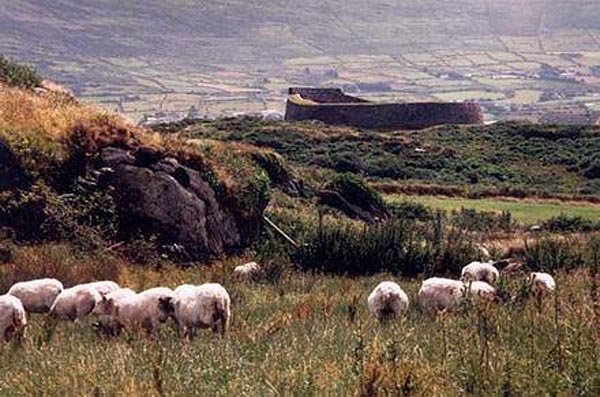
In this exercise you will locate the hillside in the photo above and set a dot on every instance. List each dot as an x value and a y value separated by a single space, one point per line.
222 58
512 158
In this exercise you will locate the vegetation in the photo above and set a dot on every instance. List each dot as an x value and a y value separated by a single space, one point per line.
311 334
560 159
18 75
528 212
302 327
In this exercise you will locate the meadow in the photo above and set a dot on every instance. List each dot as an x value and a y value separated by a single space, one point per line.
528 212
310 334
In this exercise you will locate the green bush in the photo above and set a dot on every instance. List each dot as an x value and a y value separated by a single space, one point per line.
566 223
18 75
356 191
550 254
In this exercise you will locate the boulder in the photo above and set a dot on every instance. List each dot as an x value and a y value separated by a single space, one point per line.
174 201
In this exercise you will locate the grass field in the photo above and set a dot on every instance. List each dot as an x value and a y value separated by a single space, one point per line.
525 211
303 337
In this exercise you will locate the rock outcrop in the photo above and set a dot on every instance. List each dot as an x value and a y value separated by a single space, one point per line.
170 199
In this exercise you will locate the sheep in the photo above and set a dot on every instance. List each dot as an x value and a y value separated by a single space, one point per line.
485 291
440 293
541 283
107 323
103 287
247 271
387 301
37 296
75 303
203 306
480 271
12 318
140 311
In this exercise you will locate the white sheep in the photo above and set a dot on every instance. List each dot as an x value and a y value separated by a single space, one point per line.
246 271
140 311
438 293
541 283
203 306
480 271
484 291
37 296
76 302
103 287
104 309
387 301
12 318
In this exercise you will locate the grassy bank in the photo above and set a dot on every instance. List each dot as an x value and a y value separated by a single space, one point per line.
525 211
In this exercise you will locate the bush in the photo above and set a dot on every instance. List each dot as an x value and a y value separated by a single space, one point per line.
550 254
356 191
17 75
481 221
399 245
410 210
566 223
392 246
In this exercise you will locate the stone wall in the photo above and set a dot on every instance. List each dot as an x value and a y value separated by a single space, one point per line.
332 106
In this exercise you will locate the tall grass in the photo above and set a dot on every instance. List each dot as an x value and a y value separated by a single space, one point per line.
312 335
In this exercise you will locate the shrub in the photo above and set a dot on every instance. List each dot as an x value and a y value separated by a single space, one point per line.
410 210
18 75
392 246
551 253
356 191
566 223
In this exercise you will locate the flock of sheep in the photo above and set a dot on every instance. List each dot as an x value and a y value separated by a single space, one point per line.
208 305
388 300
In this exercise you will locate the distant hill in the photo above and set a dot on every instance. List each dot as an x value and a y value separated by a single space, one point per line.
106 47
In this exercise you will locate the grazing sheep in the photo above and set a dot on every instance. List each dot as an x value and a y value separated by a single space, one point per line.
541 283
103 287
107 323
480 271
387 301
204 306
75 303
12 318
485 291
247 271
140 311
440 293
37 296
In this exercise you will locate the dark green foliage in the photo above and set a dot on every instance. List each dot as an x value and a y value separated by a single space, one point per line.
392 246
505 156
410 210
550 254
565 223
86 216
481 221
18 75
356 191
400 246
